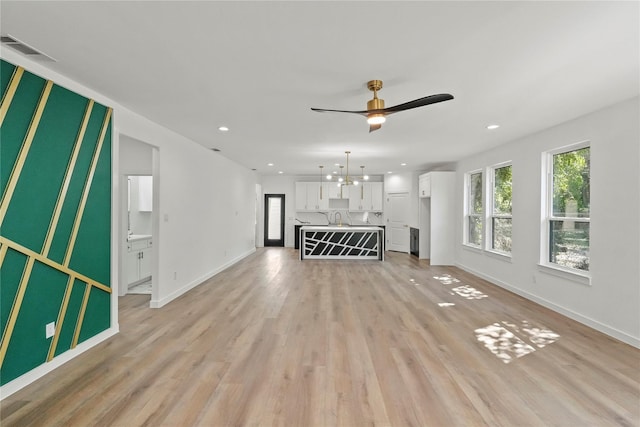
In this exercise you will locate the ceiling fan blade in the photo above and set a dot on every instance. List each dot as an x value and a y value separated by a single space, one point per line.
374 127
421 102
323 110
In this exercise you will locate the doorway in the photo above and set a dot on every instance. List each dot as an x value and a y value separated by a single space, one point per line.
398 222
139 248
274 220
138 229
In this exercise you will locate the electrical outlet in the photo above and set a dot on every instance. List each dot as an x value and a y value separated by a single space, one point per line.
50 329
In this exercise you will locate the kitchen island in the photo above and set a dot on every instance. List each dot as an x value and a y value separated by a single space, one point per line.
341 242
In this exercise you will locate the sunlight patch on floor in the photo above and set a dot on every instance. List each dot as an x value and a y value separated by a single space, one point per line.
446 279
507 346
466 291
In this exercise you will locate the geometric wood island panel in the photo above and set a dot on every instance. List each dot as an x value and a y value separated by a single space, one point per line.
345 243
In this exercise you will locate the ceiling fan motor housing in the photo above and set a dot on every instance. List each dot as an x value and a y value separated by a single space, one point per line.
375 104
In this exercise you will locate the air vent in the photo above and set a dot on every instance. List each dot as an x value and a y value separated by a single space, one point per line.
23 48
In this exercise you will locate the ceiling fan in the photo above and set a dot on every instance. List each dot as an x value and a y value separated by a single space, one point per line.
376 113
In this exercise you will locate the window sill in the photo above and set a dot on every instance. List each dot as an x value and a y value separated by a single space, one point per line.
503 256
476 249
574 276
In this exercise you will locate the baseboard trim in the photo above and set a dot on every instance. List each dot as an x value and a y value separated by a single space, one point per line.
183 290
598 326
25 379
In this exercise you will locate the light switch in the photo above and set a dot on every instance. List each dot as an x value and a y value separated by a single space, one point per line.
50 329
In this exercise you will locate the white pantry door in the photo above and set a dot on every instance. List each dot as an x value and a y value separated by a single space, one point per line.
398 222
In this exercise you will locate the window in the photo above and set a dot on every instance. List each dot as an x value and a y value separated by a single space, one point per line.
568 208
473 220
499 225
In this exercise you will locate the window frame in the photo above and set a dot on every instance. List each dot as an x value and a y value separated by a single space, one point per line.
583 276
490 207
467 209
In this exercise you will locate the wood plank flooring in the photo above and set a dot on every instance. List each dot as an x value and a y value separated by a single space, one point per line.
273 341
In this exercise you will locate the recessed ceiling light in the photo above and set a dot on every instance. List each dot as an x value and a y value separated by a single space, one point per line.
389 172
403 164
223 129
269 164
336 164
491 127
280 172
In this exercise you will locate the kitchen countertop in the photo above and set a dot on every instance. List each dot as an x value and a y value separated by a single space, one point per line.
340 228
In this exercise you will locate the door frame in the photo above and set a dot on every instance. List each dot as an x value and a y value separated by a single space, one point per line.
274 242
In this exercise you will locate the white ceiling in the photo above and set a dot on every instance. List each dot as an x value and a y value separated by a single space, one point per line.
258 67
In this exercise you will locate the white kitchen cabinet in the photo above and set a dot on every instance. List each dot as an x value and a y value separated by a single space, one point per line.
437 218
366 197
424 185
377 196
308 196
301 196
138 260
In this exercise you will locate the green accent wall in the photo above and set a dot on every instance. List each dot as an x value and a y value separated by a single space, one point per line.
28 220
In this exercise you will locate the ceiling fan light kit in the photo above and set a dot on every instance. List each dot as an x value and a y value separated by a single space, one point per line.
376 113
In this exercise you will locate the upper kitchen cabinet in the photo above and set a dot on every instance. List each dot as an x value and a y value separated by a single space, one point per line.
312 196
367 196
424 185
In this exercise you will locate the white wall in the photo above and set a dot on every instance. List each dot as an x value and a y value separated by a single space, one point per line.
206 208
611 302
136 157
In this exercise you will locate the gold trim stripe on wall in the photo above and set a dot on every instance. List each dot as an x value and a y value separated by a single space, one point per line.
44 260
67 179
87 187
11 91
83 309
60 320
76 225
15 309
3 253
26 146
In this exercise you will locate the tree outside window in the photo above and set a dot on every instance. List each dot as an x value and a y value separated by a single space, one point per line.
501 220
569 226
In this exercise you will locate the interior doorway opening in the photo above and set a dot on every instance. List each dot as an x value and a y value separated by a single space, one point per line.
139 249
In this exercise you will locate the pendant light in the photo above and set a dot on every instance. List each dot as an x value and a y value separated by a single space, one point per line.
321 167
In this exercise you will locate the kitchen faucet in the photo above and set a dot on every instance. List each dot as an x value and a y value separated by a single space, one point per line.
335 217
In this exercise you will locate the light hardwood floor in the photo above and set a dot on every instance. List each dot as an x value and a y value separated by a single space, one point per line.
276 341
